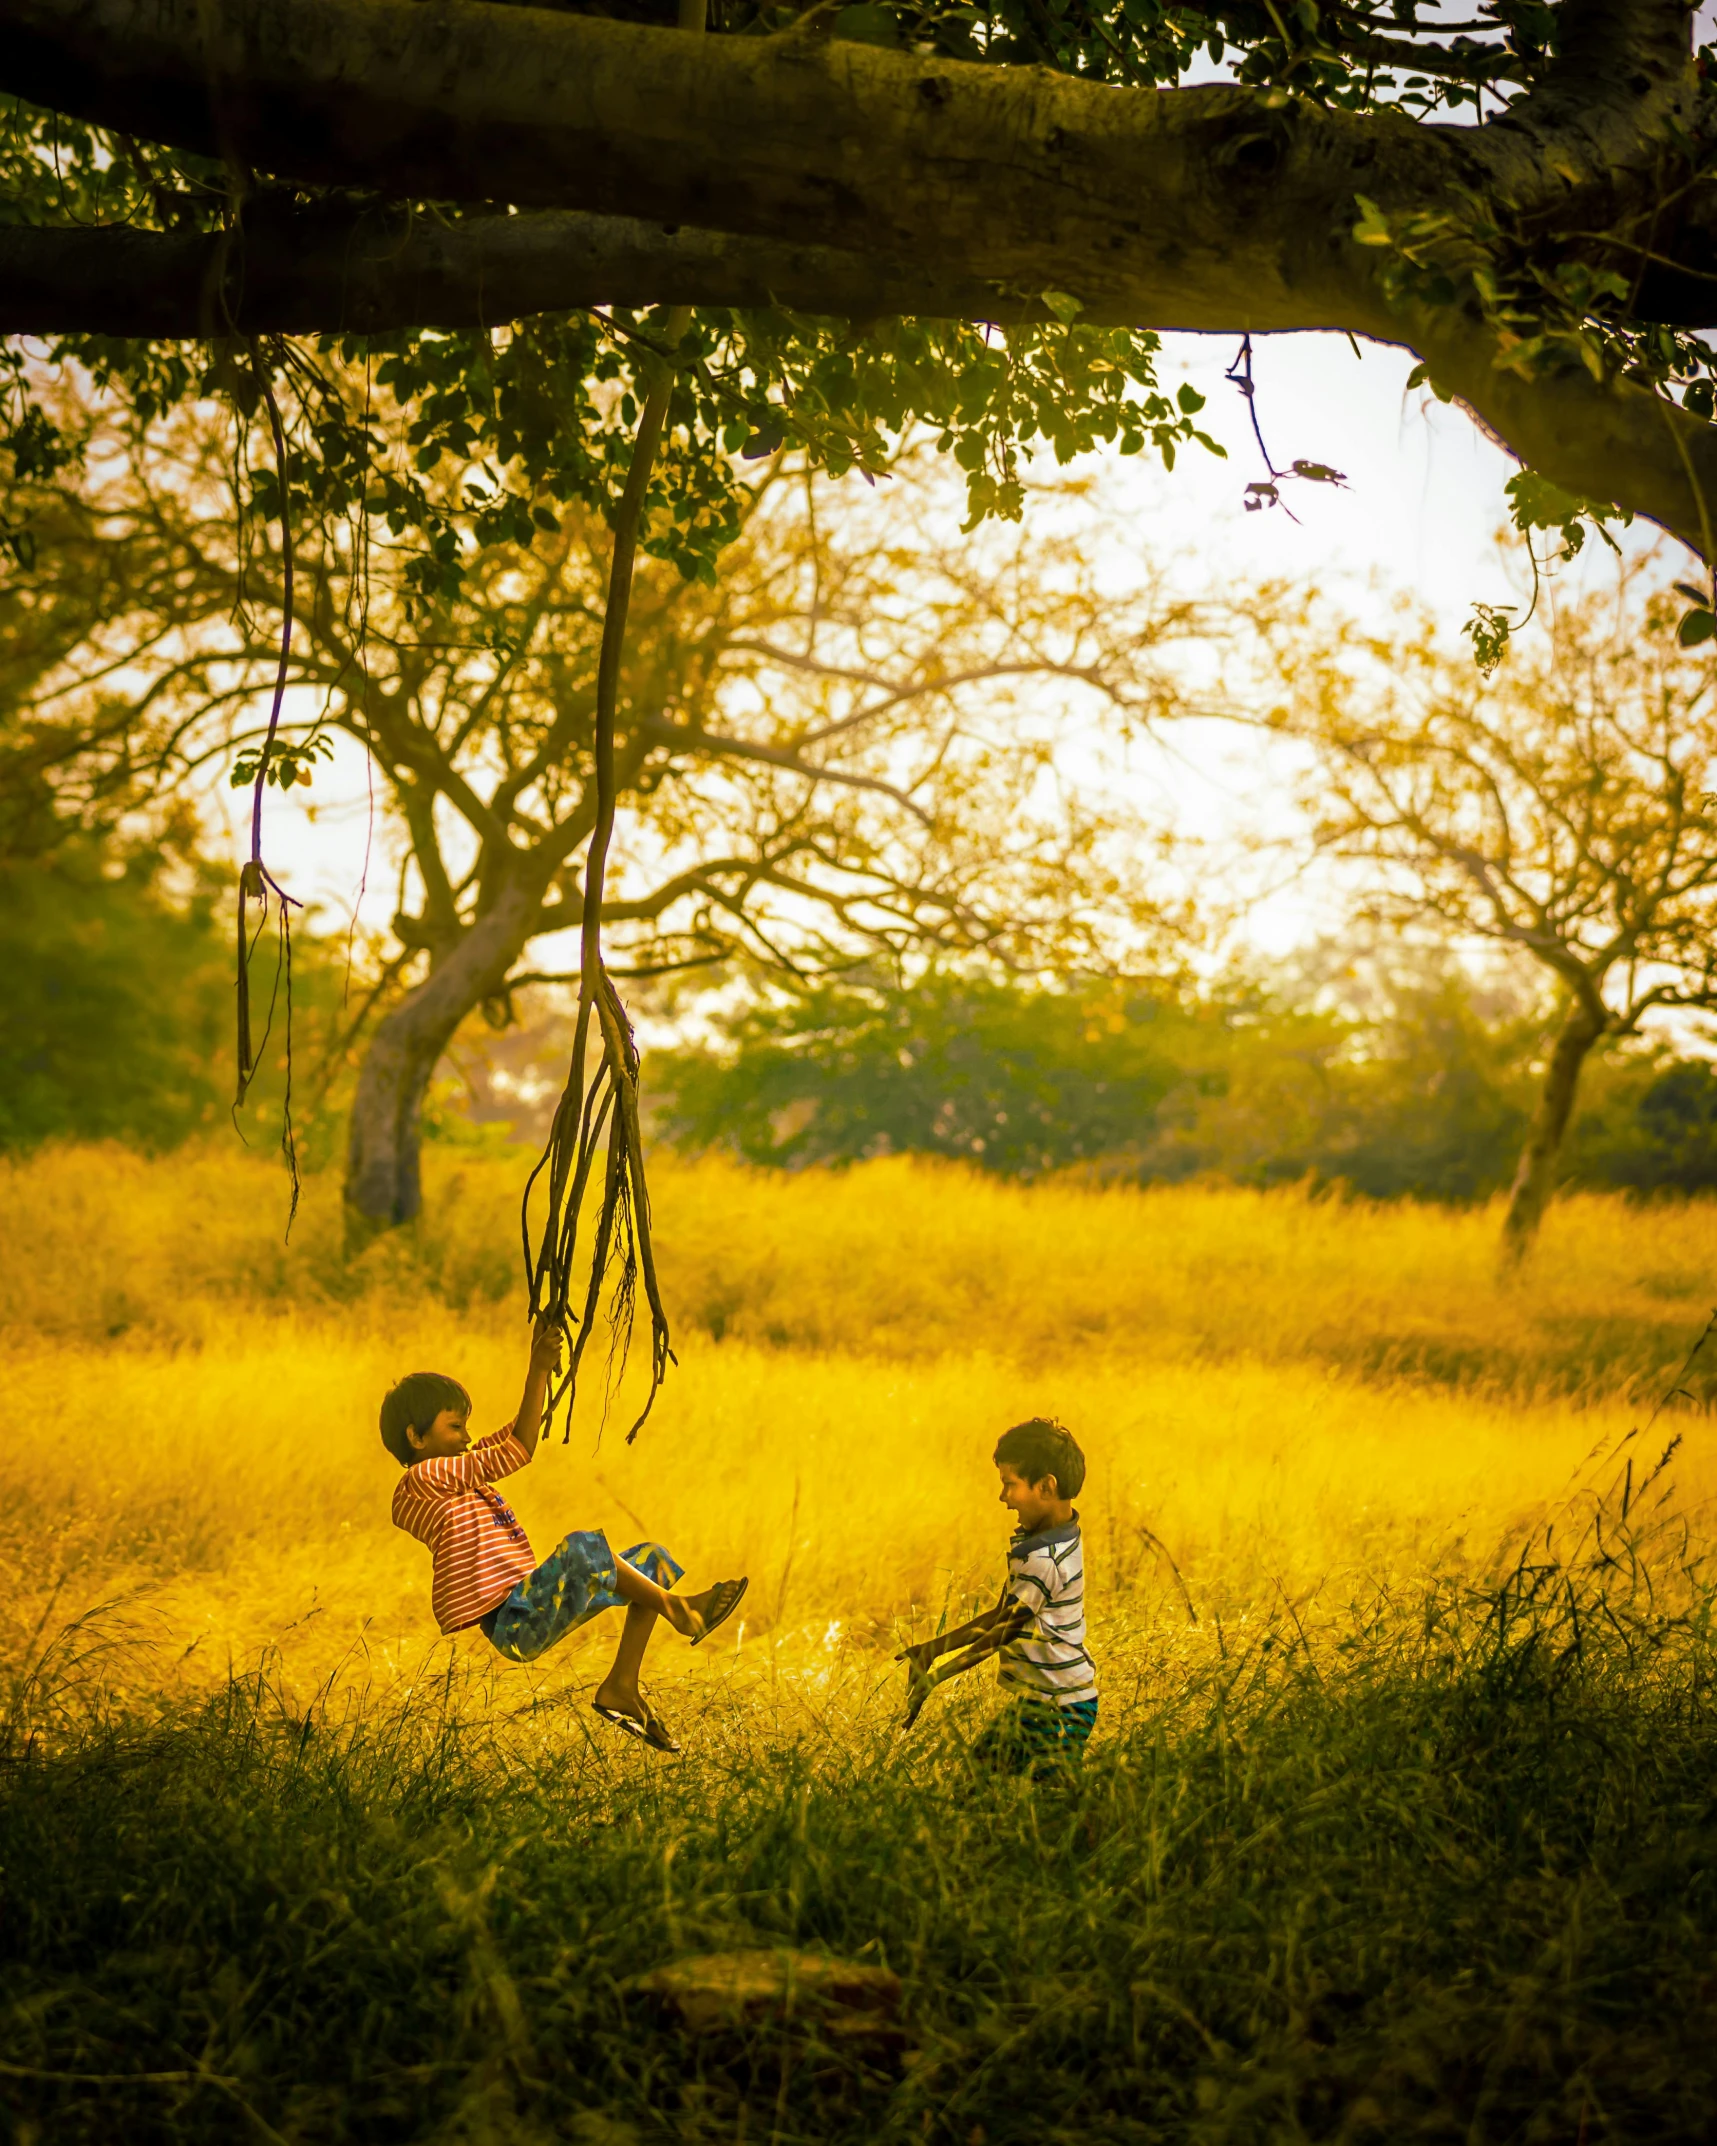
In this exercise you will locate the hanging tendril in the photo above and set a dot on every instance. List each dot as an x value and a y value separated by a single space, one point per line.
256 883
598 1111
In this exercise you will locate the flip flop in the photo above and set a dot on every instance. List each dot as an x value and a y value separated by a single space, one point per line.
651 1730
726 1596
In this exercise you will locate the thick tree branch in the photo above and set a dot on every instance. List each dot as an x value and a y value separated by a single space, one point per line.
350 269
1176 207
1196 209
1611 440
1451 63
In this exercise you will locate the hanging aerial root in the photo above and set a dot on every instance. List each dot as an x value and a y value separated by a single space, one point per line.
598 1117
256 883
603 1101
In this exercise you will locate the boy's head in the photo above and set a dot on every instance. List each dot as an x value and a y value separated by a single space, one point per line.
427 1416
1042 1472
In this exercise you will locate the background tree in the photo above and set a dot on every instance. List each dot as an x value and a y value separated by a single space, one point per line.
1565 809
819 239
841 749
88 594
1413 1085
117 957
117 1000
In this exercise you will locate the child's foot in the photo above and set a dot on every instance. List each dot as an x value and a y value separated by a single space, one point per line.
625 1708
695 1617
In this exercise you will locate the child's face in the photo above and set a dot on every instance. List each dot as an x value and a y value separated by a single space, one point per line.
450 1433
1033 1505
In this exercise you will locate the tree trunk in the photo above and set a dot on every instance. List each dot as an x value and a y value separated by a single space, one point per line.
1535 1179
384 1184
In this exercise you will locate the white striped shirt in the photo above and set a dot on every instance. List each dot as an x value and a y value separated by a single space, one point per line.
481 1553
1046 1576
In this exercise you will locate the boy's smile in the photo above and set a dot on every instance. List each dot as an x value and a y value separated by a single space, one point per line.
450 1433
1033 1505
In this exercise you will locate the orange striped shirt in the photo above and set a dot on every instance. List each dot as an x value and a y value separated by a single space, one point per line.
481 1553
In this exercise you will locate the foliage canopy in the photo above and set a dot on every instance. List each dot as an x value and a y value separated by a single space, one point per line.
975 218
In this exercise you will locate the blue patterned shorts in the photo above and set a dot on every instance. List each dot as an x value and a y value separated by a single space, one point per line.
1037 1738
572 1584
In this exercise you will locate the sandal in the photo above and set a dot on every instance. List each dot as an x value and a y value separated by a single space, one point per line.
725 1597
651 1730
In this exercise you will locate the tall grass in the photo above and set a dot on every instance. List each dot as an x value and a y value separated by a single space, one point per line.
1398 1823
1421 1881
903 1259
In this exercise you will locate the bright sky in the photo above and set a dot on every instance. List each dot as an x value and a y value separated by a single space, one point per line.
1420 512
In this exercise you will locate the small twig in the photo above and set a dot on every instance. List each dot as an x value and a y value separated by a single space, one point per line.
1159 1547
116 2078
1240 373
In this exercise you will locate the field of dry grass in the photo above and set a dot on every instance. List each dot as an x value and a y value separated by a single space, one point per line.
1375 1841
1288 1397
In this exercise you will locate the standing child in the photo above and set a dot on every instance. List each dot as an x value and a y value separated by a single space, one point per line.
1038 1626
484 1571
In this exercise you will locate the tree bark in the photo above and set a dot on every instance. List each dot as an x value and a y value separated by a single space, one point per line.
1199 208
384 1183
1199 198
344 269
1535 1179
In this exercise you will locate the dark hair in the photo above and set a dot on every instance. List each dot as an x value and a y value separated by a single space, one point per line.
413 1405
1041 1447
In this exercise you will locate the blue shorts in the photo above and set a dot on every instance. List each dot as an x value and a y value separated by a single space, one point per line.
572 1584
1036 1737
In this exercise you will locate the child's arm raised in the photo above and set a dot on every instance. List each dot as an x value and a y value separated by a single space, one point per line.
545 1362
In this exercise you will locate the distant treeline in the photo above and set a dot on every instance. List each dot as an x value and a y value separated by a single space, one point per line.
1426 1095
117 993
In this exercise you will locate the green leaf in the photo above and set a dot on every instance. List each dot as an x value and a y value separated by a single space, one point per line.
1489 629
1536 503
1696 627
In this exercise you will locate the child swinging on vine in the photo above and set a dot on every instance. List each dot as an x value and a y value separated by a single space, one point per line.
485 1573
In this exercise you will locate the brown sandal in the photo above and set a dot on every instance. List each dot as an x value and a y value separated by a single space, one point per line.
725 1598
651 1730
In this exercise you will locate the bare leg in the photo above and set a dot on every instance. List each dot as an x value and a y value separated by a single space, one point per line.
645 1602
638 1591
619 1688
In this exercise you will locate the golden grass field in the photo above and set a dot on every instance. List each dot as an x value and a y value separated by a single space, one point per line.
1304 1401
1397 1841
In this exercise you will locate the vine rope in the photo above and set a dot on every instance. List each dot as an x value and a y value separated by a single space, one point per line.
256 883
598 1112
